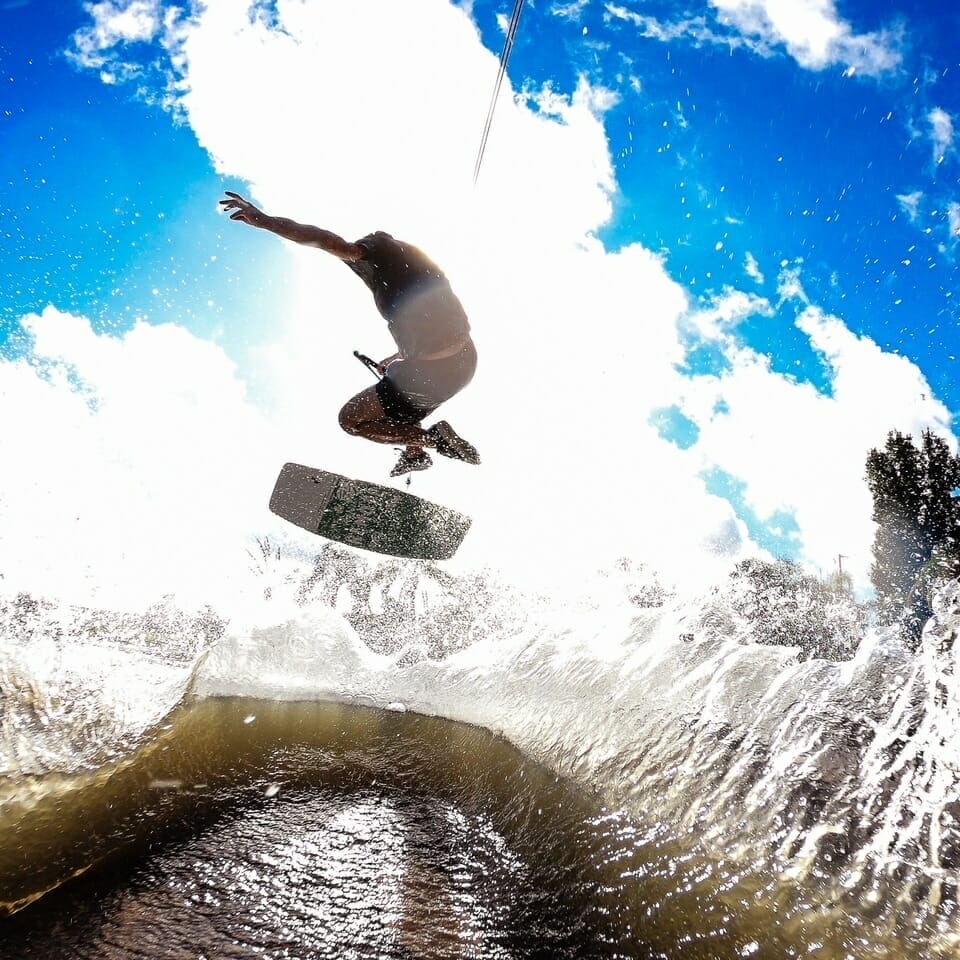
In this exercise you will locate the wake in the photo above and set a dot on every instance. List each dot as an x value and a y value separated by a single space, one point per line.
831 782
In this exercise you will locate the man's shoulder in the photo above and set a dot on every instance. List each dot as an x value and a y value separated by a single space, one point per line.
378 240
384 250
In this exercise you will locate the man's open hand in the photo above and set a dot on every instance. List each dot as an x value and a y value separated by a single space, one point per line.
243 209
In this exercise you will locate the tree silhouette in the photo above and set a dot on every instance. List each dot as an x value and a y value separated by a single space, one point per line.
917 541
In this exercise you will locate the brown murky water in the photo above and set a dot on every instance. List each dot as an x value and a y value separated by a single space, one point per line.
250 829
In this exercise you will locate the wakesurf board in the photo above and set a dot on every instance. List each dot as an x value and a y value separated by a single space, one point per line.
366 515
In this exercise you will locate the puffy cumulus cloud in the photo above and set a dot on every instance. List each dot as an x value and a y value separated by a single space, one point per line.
368 97
134 466
800 451
577 346
115 26
718 319
367 115
813 33
810 31
116 43
117 23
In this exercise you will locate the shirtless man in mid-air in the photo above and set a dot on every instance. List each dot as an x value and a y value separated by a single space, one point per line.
435 356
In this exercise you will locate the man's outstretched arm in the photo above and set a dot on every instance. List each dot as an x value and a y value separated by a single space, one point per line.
310 236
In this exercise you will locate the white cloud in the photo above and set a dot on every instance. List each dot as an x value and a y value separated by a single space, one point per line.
114 43
953 217
752 268
116 23
913 206
716 320
789 284
577 346
941 133
810 31
570 10
134 465
910 204
802 451
693 28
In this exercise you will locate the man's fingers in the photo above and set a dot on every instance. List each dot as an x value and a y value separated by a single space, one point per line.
243 208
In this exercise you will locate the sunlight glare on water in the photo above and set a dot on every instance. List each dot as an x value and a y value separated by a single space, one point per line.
673 826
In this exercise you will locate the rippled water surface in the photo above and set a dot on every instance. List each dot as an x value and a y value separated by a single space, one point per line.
318 831
605 782
262 829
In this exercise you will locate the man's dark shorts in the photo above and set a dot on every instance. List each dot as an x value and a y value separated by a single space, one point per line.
413 389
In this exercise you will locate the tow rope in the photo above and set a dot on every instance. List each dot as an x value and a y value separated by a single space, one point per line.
504 58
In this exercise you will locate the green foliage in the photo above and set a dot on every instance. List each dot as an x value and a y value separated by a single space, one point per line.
917 542
786 607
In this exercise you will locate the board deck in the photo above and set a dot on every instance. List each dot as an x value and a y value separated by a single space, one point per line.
366 515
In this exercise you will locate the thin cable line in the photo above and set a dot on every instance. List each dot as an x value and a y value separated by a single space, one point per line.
504 58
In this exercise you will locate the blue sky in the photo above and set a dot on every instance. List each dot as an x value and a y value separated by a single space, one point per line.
105 199
720 146
792 168
724 146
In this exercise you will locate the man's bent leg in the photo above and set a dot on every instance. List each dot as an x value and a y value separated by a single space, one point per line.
364 416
